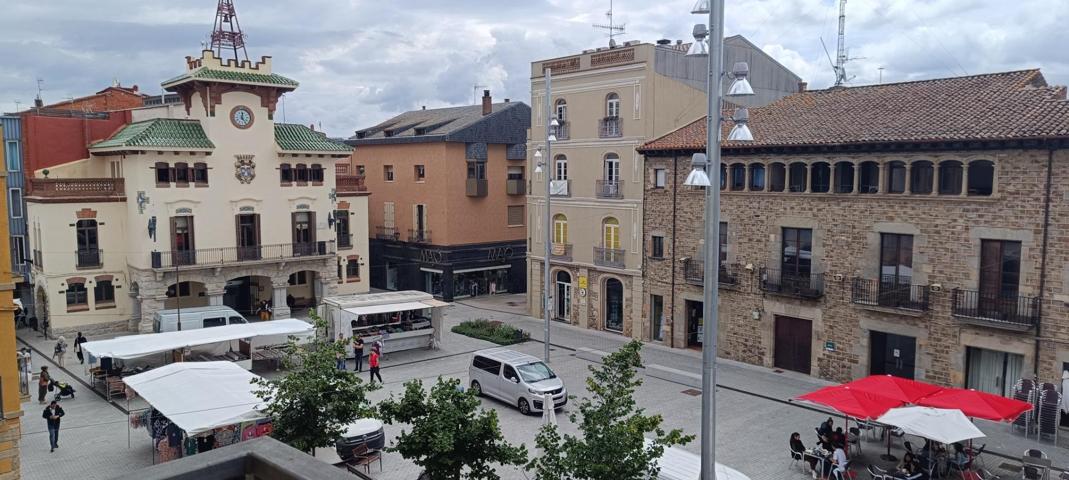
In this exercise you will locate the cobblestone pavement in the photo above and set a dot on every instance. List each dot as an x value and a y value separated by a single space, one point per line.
754 419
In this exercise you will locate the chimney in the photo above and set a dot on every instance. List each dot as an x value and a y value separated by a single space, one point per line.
487 103
423 108
312 126
134 88
802 86
506 100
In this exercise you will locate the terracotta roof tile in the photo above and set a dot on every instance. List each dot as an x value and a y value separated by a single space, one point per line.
997 106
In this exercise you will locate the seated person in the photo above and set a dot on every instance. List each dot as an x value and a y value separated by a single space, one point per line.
960 458
836 461
909 466
838 437
825 430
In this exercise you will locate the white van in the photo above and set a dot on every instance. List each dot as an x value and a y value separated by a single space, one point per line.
195 317
515 378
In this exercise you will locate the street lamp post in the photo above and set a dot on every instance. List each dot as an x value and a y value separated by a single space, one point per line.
542 166
705 166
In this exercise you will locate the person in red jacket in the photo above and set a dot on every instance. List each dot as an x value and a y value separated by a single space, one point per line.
373 362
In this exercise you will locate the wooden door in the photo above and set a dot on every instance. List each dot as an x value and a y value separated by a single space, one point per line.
794 338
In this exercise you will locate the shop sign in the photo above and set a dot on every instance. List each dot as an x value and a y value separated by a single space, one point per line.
183 211
829 346
582 281
498 253
432 256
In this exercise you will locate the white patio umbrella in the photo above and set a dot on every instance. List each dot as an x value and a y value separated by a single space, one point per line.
941 425
549 414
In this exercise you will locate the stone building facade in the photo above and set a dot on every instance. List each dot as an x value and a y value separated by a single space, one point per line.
841 256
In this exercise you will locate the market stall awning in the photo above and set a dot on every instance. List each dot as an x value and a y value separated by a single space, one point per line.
855 403
388 308
199 396
134 346
945 426
977 404
898 388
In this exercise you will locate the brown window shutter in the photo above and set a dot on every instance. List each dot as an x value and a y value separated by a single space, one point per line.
312 227
256 225
293 226
237 232
174 243
192 236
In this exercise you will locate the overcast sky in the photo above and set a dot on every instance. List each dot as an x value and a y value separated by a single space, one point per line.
362 61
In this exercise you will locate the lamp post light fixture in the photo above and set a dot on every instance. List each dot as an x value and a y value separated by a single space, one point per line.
705 172
551 130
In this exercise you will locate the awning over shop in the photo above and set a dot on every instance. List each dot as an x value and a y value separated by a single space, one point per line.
394 307
134 346
199 396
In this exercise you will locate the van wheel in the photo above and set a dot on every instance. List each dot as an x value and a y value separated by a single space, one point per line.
525 408
476 388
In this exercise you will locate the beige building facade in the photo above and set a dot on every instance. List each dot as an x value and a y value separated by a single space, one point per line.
208 202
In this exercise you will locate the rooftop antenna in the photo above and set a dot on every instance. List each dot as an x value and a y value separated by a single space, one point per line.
38 102
475 93
18 105
841 55
227 34
881 74
611 27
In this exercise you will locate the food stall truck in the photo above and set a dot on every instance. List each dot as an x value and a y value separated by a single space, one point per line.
401 320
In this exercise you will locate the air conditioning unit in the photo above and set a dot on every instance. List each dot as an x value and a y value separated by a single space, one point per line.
936 287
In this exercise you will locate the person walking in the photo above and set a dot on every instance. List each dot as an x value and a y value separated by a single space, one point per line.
339 358
78 341
60 351
43 379
358 352
373 363
53 412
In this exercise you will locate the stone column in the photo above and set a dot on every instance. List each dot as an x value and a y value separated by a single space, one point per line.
857 178
808 178
880 177
909 178
278 300
747 176
964 179
935 179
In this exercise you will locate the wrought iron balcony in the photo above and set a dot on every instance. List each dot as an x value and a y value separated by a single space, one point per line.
561 251
610 257
214 257
345 241
1012 312
792 284
608 189
890 292
562 131
88 258
609 127
419 236
694 273
560 188
476 187
386 233
515 186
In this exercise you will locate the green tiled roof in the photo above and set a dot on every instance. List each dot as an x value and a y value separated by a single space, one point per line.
208 74
299 138
167 133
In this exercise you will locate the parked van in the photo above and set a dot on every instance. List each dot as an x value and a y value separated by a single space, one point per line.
196 317
515 378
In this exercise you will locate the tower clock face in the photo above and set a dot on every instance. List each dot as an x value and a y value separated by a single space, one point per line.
241 117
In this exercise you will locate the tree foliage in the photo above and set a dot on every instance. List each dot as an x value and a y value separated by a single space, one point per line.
450 436
312 404
613 429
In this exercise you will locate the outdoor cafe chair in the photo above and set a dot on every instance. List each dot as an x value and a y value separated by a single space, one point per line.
877 473
1035 465
853 439
837 474
795 458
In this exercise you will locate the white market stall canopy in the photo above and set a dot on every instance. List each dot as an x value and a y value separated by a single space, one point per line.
134 346
679 464
388 308
941 425
199 396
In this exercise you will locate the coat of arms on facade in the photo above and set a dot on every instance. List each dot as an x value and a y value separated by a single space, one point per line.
244 168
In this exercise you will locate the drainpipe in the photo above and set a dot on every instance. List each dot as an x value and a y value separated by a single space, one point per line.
675 215
1043 255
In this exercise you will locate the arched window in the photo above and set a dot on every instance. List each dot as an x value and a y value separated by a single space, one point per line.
723 176
869 181
920 177
560 229
844 177
564 277
610 233
896 177
560 170
561 110
821 181
757 177
777 177
950 177
612 105
738 177
798 180
981 177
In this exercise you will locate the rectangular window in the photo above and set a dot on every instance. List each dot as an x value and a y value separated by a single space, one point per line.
421 173
18 249
515 216
285 173
163 174
515 173
477 170
299 278
104 292
352 269
896 259
316 173
1000 269
797 257
181 173
341 224
11 153
200 173
77 296
657 246
657 317
87 239
387 173
16 203
300 173
722 248
182 250
660 178
116 168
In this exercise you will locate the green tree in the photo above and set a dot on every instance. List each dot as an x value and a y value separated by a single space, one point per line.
449 432
312 404
613 429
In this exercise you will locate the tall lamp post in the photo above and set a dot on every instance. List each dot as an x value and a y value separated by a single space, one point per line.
540 162
705 166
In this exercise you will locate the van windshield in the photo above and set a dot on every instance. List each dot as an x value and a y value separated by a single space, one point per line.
535 372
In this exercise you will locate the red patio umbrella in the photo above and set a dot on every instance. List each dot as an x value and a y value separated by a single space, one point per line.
853 402
977 404
898 388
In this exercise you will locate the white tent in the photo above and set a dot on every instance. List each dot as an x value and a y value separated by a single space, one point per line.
679 464
938 424
199 396
134 346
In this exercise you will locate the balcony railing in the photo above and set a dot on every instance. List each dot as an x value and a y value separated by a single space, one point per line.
561 251
560 188
694 273
562 131
77 189
608 189
345 240
476 187
609 127
209 257
890 292
419 236
1016 312
609 257
515 186
386 233
792 284
88 257
350 184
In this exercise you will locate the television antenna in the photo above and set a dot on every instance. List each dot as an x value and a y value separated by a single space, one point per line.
611 26
475 93
841 54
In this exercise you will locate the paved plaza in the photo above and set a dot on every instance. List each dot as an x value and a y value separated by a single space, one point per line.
754 418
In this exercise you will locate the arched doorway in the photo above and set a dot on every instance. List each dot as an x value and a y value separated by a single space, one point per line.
302 291
244 294
185 295
563 300
614 305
